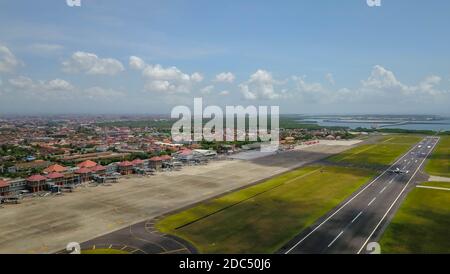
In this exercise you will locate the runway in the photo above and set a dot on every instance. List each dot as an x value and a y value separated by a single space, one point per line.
356 224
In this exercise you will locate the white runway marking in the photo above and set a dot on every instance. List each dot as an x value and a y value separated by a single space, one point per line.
384 188
334 240
373 200
434 187
357 216
390 182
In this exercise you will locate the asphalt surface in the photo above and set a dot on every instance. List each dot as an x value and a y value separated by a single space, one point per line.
140 238
356 224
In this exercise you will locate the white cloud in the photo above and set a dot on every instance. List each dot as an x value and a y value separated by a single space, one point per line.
224 93
428 85
57 84
160 85
207 90
137 63
8 61
22 82
90 63
227 77
382 86
165 79
58 89
44 48
102 93
260 86
26 83
41 90
330 78
160 73
312 92
197 77
383 79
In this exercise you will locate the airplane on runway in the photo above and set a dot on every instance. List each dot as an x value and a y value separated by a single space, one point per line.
398 171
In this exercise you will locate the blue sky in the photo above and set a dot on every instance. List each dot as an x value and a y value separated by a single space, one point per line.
322 56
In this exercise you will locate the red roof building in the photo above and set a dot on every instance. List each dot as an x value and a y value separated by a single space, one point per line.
125 168
155 159
36 183
55 175
84 174
4 183
87 164
83 171
155 162
185 152
137 162
57 178
98 168
55 168
36 178
165 157
125 164
4 188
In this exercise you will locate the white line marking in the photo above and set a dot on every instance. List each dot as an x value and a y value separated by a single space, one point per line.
393 203
434 187
390 182
384 188
349 201
373 200
357 216
339 235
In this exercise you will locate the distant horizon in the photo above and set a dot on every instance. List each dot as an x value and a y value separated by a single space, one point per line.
168 114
